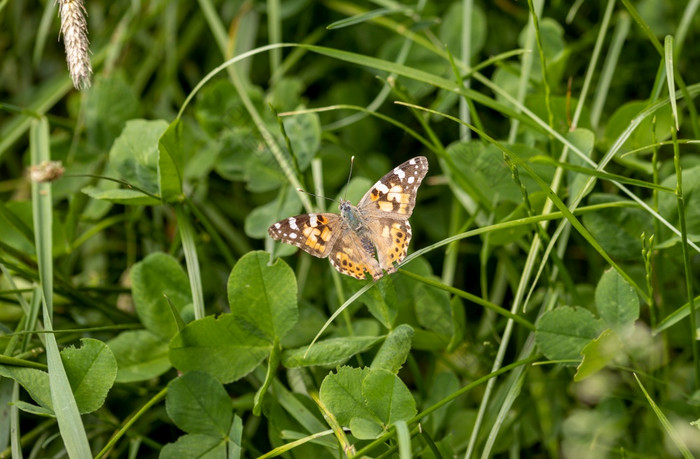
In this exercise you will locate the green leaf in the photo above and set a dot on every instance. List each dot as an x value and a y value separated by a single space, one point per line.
563 332
598 353
388 397
109 104
140 355
642 135
157 275
261 217
381 301
35 382
223 347
341 393
394 351
171 162
198 404
304 132
433 309
452 24
366 400
616 300
134 154
263 297
617 229
331 352
91 371
195 446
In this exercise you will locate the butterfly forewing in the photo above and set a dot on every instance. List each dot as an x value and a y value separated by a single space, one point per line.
394 195
313 233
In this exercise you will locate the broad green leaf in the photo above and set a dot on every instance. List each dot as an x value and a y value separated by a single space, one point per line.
618 229
262 172
134 154
365 429
157 276
235 438
488 175
451 29
330 352
263 297
643 135
140 355
598 353
286 93
224 347
91 371
341 393
563 332
394 351
388 397
616 300
198 404
433 310
34 381
109 104
366 400
381 302
171 162
304 132
34 409
195 446
444 384
260 218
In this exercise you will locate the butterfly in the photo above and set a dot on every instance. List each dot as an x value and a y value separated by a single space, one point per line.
369 238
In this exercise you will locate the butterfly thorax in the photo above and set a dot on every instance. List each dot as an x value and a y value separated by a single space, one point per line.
353 219
351 215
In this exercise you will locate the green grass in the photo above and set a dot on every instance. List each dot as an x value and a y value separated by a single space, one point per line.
548 305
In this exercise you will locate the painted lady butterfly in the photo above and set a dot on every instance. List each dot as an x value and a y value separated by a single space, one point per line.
368 238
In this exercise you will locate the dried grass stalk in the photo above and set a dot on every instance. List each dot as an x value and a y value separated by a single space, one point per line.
74 31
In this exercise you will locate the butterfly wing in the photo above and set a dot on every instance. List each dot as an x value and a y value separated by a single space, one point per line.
391 238
394 195
353 255
313 233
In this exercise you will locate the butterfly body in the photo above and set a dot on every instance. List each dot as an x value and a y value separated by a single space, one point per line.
367 238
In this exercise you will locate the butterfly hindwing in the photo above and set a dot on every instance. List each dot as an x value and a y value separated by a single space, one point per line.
350 256
313 233
391 238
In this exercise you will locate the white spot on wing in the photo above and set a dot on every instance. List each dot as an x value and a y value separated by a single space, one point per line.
277 225
313 220
411 179
413 161
400 173
381 187
292 235
293 223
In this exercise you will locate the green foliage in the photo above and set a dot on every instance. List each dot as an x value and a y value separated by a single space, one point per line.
145 312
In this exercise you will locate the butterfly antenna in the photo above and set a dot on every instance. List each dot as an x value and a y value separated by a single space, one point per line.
316 196
352 161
